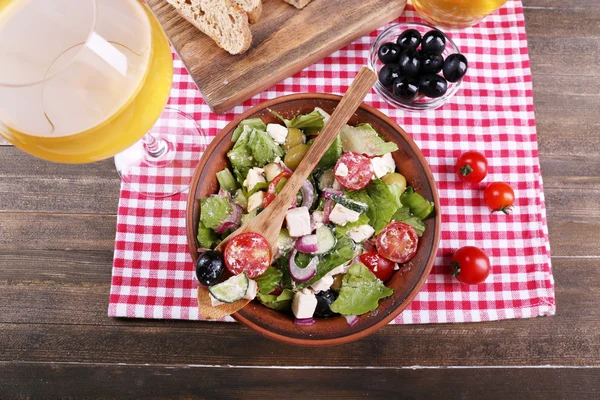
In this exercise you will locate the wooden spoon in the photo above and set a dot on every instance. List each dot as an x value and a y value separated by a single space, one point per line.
268 223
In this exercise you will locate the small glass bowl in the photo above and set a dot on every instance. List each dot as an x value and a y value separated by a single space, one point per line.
421 102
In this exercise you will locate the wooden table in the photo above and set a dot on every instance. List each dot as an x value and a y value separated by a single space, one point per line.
57 229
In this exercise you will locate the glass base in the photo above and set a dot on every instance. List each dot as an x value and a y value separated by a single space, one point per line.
163 162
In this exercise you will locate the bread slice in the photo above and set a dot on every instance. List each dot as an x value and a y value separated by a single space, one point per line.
298 3
252 7
223 20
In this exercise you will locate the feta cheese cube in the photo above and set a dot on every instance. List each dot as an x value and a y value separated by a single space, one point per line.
272 170
252 289
322 284
277 132
316 220
383 165
304 304
340 269
361 233
298 222
254 177
341 215
341 170
256 200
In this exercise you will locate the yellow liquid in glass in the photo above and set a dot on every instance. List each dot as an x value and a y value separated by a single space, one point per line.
139 96
456 13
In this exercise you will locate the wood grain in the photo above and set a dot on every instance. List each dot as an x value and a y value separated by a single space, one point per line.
285 41
50 381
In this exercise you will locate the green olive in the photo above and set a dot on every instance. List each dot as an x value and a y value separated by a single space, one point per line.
295 155
294 138
395 178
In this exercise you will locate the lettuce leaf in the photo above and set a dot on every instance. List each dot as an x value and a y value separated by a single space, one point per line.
252 123
214 210
364 139
263 147
269 280
206 237
419 205
240 156
226 180
360 292
382 203
280 303
340 231
404 215
333 153
309 123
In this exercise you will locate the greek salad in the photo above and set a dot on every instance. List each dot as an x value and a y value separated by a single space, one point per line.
354 222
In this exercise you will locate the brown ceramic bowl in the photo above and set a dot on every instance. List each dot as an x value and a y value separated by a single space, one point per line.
406 282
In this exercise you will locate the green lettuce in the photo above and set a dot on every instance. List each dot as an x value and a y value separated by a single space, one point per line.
364 139
404 215
206 237
342 230
419 205
269 280
214 210
252 123
333 153
240 156
360 292
226 180
382 203
309 123
263 147
342 253
280 303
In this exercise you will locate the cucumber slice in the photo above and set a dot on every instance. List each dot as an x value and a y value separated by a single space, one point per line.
353 205
231 290
326 179
326 240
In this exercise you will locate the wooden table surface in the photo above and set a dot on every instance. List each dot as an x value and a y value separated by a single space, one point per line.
57 229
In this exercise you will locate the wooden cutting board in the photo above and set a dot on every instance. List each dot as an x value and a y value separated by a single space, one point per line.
285 41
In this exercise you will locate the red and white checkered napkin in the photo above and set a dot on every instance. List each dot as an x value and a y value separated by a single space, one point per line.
153 276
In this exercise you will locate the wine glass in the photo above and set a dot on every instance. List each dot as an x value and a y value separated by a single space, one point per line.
84 80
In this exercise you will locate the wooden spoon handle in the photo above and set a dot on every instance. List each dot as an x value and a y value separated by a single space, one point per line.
362 84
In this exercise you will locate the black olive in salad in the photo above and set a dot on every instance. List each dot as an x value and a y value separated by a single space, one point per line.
324 300
210 267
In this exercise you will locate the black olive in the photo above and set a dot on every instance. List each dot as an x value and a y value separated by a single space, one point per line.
431 63
432 85
455 67
406 88
324 300
210 267
389 53
410 62
410 39
388 74
433 42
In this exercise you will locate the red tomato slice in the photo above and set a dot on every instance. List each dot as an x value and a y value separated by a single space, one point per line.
360 171
380 266
398 242
248 252
272 189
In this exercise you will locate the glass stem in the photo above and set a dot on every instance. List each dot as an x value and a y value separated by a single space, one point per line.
154 147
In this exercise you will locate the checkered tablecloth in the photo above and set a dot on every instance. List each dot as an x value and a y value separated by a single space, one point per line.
153 276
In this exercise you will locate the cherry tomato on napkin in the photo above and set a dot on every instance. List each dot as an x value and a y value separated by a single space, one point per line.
499 196
470 265
471 166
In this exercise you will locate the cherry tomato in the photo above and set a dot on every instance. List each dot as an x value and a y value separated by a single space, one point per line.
471 166
380 266
397 242
470 265
360 171
248 252
499 196
272 189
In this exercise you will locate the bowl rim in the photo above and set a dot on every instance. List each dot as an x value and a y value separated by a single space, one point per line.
384 93
192 246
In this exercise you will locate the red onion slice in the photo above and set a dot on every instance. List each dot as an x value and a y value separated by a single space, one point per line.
224 226
224 193
304 321
302 274
308 194
307 244
234 219
327 210
351 319
327 193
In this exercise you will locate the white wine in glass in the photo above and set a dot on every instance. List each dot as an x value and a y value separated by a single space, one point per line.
83 80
